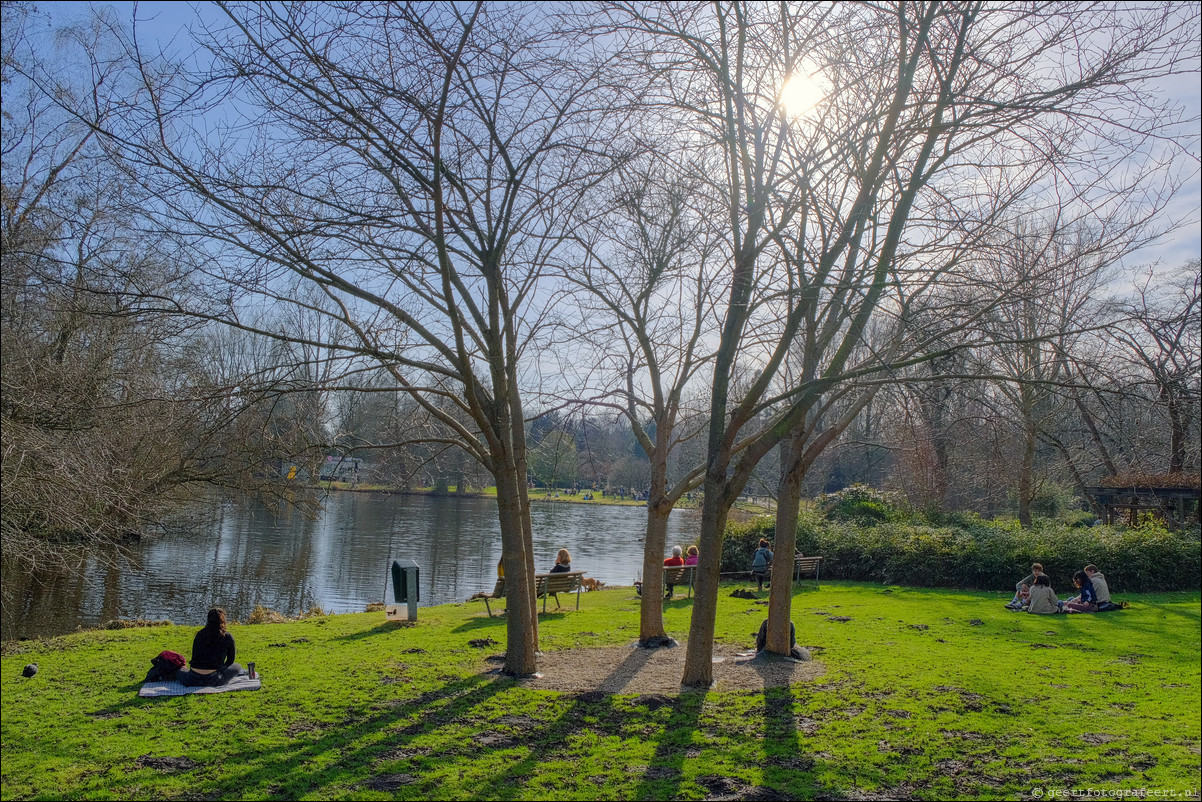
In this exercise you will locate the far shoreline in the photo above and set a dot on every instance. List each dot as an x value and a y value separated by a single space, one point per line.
753 507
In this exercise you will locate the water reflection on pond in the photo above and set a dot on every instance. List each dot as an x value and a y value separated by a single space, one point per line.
244 556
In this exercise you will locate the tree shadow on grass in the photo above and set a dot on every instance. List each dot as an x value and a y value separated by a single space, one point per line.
786 762
386 628
665 773
285 771
124 706
480 622
599 711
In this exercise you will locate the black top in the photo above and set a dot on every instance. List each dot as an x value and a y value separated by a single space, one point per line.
561 568
1088 595
212 652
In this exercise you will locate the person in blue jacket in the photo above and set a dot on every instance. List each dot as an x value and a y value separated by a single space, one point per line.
760 564
1086 601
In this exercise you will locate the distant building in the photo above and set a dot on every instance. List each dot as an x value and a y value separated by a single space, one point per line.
340 469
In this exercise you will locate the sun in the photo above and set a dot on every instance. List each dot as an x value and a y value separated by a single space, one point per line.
801 93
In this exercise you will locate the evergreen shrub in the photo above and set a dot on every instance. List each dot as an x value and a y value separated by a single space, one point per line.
962 550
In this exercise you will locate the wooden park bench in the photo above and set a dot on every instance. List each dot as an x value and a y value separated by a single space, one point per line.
552 584
544 585
680 575
806 565
498 592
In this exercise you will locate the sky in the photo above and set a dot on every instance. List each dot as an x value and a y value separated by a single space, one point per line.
163 24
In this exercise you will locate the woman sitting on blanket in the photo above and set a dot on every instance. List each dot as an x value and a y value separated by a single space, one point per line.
212 654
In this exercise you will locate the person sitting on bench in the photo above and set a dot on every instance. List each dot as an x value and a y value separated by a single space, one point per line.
675 560
563 563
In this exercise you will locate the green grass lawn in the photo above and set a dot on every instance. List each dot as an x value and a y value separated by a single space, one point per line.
930 694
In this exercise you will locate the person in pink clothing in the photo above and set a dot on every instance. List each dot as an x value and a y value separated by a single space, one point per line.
691 556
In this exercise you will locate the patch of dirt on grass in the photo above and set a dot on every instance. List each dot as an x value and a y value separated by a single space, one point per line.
496 740
731 788
1096 738
389 782
405 753
166 765
626 669
518 722
300 727
856 795
660 773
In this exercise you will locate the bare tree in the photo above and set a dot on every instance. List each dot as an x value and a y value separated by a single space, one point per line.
109 418
647 282
1040 325
933 127
417 167
1161 332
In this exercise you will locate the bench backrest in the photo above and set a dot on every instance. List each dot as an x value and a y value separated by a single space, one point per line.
566 582
677 574
806 565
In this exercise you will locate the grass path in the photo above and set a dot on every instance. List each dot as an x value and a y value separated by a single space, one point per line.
928 694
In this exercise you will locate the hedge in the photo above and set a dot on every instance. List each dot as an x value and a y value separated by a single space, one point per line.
965 551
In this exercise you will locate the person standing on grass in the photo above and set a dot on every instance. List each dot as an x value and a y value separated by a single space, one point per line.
212 662
1043 600
1017 603
760 563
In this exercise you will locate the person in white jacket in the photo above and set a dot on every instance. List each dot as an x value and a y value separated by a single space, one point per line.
1099 583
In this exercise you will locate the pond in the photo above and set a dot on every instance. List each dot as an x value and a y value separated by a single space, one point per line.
241 556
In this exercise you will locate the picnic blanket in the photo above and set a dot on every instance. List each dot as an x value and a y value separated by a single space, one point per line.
160 688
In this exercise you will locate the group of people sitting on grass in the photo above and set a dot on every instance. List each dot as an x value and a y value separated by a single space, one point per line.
1034 594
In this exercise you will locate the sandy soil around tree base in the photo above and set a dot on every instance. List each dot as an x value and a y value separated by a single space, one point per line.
630 669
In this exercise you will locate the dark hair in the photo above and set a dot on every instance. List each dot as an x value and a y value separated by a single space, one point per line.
215 622
1081 578
764 543
1043 580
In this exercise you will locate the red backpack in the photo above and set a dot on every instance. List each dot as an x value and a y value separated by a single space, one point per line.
164 666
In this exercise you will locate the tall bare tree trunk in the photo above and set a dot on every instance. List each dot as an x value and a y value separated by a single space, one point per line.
651 616
699 666
521 620
788 497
